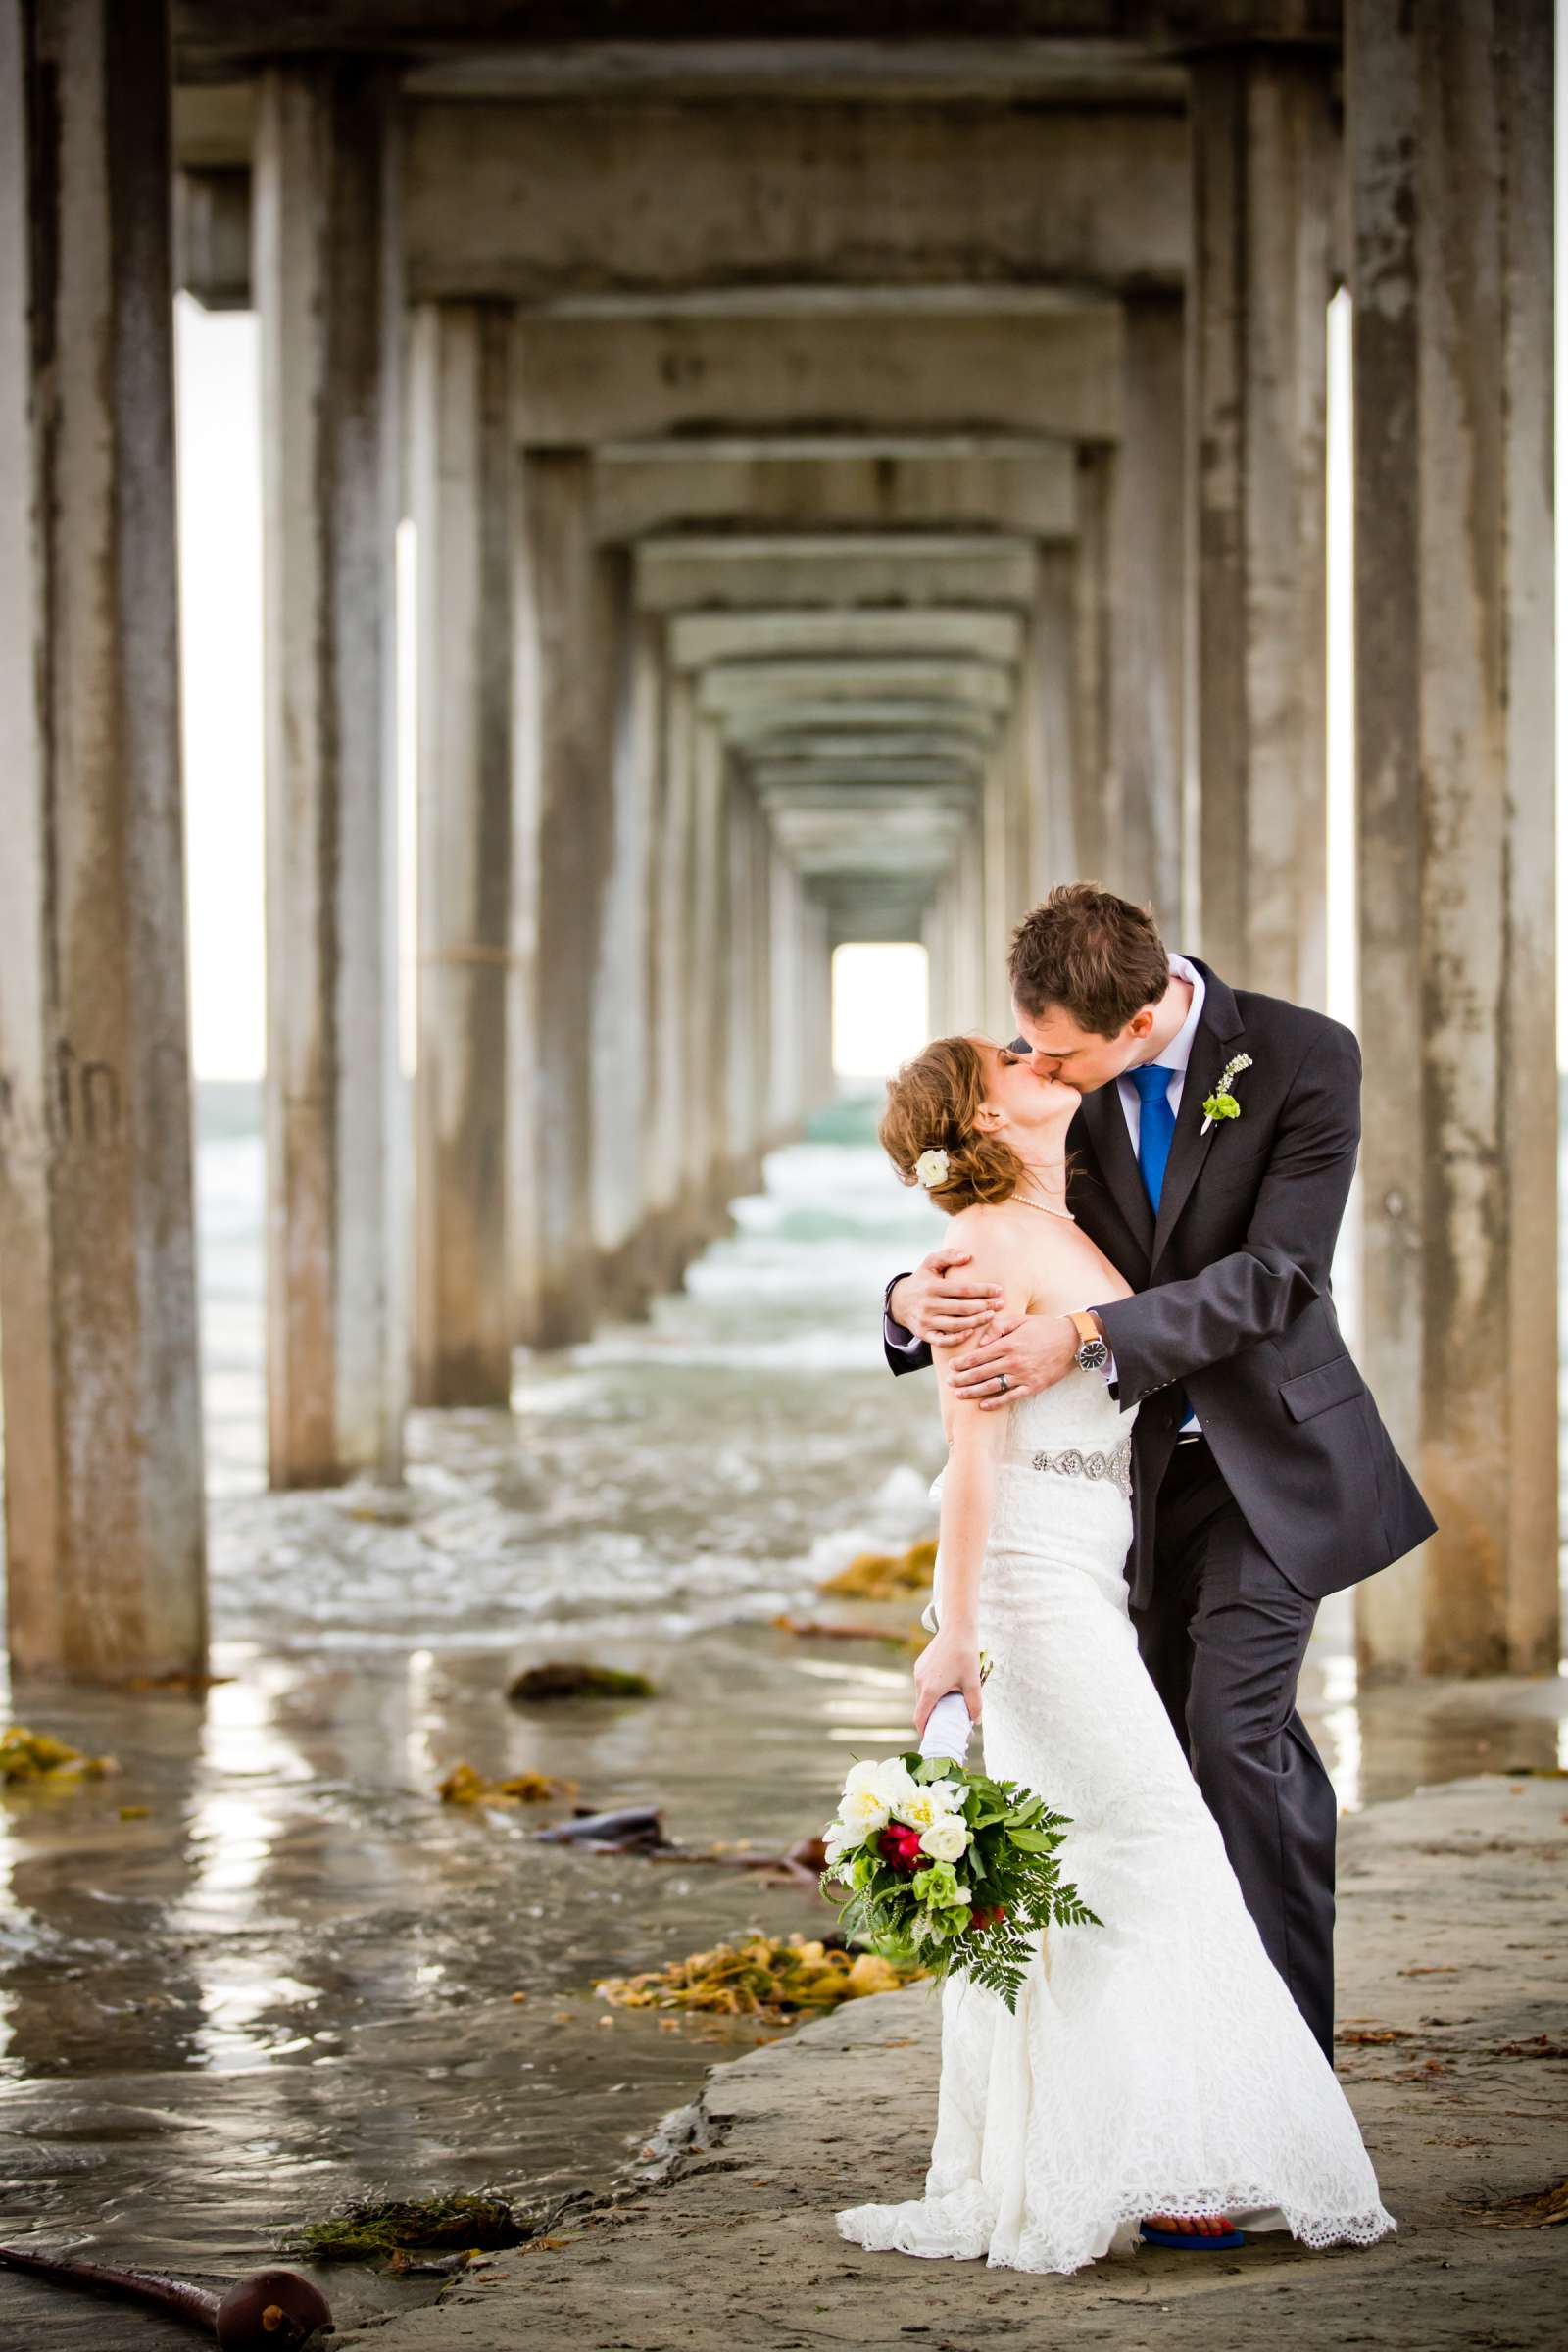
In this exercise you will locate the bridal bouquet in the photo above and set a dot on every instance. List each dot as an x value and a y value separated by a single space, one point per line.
948 1869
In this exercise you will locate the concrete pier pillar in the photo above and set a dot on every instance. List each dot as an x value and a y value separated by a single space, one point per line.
1262 175
328 291
786 1091
1450 135
623 1042
462 473
1147 609
1097 850
575 604
1050 695
745 994
967 968
817 1002
708 945
667 1109
103 1489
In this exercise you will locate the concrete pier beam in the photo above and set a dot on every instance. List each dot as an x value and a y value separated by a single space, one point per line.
103 1489
327 260
463 469
575 607
1263 162
1449 132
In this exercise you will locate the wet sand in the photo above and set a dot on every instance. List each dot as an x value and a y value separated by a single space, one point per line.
1453 1938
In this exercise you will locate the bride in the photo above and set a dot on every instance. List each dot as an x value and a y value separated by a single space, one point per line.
1157 2079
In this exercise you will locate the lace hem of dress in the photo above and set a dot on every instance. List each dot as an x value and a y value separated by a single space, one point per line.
962 2227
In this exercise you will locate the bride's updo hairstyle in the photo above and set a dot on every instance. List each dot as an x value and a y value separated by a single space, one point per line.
932 1105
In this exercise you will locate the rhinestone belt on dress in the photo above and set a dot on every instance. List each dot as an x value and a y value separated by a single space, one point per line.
1073 1462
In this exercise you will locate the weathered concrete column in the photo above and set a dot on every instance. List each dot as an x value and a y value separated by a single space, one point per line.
786 1087
329 290
103 1489
462 475
746 994
1449 133
760 947
970 972
818 1003
1006 819
1049 694
935 937
709 969
1092 797
1263 159
623 1042
574 605
1148 610
667 1109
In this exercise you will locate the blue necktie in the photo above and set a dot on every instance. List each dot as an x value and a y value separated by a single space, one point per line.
1157 1124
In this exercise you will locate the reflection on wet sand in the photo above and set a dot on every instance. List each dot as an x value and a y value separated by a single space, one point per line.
294 1980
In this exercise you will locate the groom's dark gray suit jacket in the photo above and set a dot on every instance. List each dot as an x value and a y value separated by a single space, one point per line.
1232 1301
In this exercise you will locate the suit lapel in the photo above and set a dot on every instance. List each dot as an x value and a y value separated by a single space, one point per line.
1219 1026
1107 1125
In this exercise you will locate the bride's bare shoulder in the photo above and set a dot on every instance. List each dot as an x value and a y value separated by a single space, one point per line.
993 1230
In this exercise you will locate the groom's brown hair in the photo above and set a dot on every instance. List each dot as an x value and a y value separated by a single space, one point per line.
1099 957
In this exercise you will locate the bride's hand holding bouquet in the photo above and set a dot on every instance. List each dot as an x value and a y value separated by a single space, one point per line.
932 1863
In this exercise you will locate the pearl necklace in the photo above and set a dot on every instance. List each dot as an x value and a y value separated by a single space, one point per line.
1044 1206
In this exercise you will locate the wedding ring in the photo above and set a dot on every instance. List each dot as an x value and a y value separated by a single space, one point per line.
1002 1380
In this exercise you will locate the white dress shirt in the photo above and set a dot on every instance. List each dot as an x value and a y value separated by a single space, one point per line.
1174 1058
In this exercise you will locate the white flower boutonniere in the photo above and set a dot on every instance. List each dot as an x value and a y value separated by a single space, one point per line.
931 1169
1222 1104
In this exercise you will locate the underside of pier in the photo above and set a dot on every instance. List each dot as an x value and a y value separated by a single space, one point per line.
861 474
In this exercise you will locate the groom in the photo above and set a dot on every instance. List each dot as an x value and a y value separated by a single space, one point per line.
1263 1477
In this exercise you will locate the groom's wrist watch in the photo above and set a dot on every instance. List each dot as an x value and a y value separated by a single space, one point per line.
1093 1353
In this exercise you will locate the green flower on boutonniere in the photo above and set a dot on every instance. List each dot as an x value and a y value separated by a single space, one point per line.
1222 1104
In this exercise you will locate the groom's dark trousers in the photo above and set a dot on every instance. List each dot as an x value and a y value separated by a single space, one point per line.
1223 1636
1293 1490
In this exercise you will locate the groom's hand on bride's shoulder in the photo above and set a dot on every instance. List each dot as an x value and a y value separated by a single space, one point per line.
1016 1360
939 1305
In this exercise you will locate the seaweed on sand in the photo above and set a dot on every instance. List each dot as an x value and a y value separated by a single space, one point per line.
463 1786
884 1575
772 1977
37 1756
376 2229
575 1677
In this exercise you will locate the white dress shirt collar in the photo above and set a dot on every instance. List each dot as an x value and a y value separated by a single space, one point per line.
1177 1054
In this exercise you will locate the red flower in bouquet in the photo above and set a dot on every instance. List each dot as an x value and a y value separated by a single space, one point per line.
987 1915
901 1845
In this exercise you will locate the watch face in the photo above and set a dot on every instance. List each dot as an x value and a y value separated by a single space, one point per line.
1094 1355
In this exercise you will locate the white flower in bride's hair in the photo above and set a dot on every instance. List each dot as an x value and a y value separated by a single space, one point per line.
946 1838
931 1169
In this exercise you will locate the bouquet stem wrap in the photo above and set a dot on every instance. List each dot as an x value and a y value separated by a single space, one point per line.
948 1728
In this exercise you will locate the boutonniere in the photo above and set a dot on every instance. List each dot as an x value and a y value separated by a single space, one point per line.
1222 1104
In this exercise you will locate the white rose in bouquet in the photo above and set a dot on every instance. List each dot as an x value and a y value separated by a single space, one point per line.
946 1838
864 1806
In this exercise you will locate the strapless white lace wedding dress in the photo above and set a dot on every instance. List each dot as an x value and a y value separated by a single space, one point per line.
1156 2063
